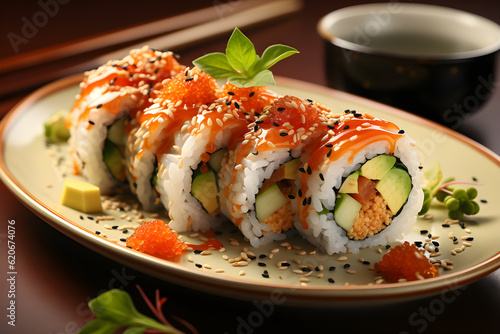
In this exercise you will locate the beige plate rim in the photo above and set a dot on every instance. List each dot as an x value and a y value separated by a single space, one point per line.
323 296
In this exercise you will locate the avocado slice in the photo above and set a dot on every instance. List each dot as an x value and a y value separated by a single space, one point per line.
346 211
113 159
376 168
350 184
291 169
268 201
215 161
204 189
55 127
395 187
116 132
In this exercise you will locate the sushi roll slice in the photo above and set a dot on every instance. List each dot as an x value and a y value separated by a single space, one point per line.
188 181
362 188
257 179
161 128
110 98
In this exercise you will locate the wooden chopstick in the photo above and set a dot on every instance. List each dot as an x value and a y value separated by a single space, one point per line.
122 36
259 12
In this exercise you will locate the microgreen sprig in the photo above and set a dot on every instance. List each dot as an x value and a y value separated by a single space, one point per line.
457 201
241 65
114 309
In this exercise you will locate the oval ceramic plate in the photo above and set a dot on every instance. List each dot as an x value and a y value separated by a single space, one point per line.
34 172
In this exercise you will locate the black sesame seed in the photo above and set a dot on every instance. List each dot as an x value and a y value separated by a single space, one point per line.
435 243
331 280
474 179
302 170
112 81
99 106
387 246
445 225
228 103
347 111
469 239
306 269
346 127
331 127
123 239
236 105
275 124
90 217
197 251
283 134
353 111
300 193
329 145
309 170
424 232
251 94
91 122
304 202
429 235
418 243
366 262
262 256
235 230
317 269
97 232
401 131
285 264
329 153
309 200
189 79
256 127
262 264
125 231
231 93
152 60
436 250
265 275
280 109
484 201
259 122
81 217
358 115
347 265
291 197
310 100
462 224
114 227
332 268
321 177
198 265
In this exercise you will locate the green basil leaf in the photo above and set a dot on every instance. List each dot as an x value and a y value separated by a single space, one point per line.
100 326
135 330
274 54
114 305
216 65
240 53
260 79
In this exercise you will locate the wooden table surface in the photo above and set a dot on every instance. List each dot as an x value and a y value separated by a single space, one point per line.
57 276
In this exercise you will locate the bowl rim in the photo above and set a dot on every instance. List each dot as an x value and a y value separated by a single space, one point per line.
327 20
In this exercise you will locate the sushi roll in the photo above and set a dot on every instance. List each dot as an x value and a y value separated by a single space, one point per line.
257 178
188 181
110 98
161 128
362 185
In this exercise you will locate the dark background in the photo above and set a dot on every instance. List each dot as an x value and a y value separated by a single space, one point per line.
57 276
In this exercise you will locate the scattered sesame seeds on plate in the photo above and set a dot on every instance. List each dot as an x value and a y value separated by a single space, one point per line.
462 251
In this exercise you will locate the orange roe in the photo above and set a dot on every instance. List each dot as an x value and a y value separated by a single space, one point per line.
156 238
192 87
252 99
407 262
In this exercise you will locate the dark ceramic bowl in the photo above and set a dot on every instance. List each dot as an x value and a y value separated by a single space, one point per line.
433 61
